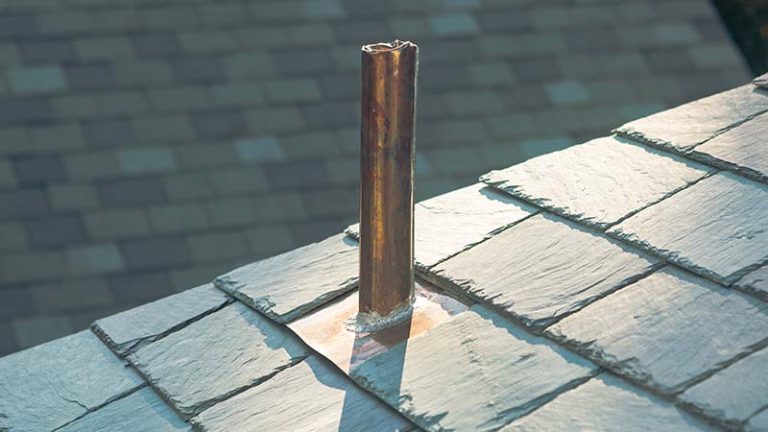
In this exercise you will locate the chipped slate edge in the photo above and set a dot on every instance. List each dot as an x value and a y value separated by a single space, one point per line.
684 263
125 349
748 288
761 81
186 412
738 169
264 306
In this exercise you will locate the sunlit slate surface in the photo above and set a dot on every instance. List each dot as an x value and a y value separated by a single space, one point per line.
311 396
599 182
755 282
685 127
450 223
216 357
544 268
47 386
761 81
743 148
475 371
667 329
286 286
606 403
129 330
141 411
758 423
717 227
734 394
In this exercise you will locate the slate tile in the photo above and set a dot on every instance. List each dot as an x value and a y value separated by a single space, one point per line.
89 259
666 331
264 149
141 411
198 70
49 385
156 44
108 132
716 228
307 61
137 327
686 126
116 224
47 50
30 110
308 396
599 182
761 81
36 79
23 202
755 283
741 149
146 160
52 231
607 403
217 357
734 394
544 268
216 124
296 174
18 24
475 371
453 222
758 423
286 286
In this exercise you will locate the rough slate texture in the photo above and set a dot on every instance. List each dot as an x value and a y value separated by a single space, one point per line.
129 330
743 149
50 385
141 411
310 396
450 223
475 371
598 182
758 423
286 286
606 403
667 330
755 282
217 357
734 394
685 127
761 81
543 268
717 227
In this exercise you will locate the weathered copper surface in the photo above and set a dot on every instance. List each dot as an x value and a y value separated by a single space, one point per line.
386 176
331 330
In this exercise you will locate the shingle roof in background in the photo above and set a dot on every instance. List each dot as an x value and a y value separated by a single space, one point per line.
652 319
146 146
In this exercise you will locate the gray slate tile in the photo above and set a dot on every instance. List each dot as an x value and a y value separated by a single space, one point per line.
667 330
217 357
758 423
47 386
450 223
716 228
141 411
308 396
543 269
286 286
755 282
684 127
599 182
607 403
734 394
475 371
761 81
127 331
743 149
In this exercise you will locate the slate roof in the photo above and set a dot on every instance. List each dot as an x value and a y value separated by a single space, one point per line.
615 285
147 146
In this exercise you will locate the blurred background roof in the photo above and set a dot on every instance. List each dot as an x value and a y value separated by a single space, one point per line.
148 146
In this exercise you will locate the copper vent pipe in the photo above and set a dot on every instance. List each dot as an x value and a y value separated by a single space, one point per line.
386 179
